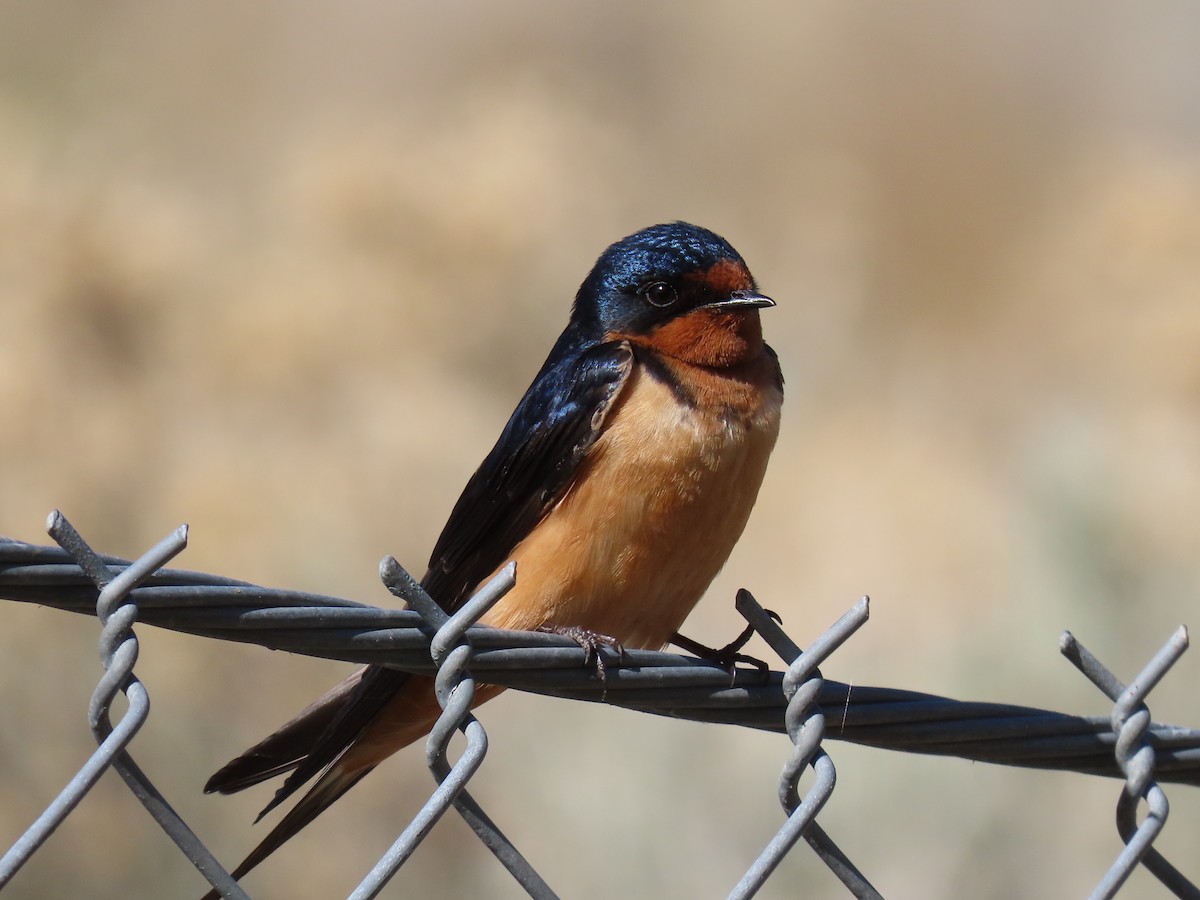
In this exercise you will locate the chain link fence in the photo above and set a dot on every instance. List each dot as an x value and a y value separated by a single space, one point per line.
423 639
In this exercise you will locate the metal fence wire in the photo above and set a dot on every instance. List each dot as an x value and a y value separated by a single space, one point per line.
424 639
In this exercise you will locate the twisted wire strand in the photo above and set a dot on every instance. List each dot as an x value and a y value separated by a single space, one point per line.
118 654
661 683
1136 757
451 650
805 724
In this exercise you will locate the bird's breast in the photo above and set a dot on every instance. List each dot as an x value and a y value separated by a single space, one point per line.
657 506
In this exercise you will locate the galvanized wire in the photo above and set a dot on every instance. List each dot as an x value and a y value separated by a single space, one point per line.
1135 755
805 726
661 683
455 688
118 654
424 640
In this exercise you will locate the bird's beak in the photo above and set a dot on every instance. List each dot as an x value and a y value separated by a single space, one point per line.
741 300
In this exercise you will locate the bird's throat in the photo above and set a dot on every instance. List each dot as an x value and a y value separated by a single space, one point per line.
713 338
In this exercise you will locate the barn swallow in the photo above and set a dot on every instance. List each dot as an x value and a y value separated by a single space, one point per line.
619 485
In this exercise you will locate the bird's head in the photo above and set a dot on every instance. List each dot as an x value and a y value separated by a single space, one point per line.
678 289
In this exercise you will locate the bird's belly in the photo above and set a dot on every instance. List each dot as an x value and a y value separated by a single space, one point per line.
658 506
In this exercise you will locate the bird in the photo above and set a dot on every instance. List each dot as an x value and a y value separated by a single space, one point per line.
619 485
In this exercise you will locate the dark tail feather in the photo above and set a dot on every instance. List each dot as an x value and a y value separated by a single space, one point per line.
326 791
368 694
287 747
313 742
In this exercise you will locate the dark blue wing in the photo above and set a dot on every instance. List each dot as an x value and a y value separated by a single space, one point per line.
530 468
525 474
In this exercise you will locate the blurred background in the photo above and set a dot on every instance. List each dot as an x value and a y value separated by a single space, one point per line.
282 270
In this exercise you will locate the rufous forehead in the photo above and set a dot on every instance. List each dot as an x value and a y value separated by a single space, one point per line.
725 276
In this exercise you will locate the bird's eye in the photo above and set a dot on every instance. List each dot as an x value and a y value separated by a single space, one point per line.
659 293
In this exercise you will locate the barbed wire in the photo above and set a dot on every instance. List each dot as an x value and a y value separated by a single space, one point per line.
424 640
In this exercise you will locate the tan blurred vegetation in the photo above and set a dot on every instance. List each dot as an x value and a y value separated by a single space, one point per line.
281 271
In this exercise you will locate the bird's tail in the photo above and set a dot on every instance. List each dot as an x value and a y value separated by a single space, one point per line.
329 787
340 737
286 748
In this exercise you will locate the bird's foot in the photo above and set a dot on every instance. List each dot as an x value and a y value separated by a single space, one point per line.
591 642
730 655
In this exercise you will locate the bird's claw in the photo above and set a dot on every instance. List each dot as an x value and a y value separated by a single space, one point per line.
730 655
591 642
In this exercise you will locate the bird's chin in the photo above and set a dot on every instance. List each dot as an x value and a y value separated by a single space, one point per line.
719 337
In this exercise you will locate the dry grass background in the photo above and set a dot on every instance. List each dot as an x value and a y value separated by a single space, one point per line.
281 271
